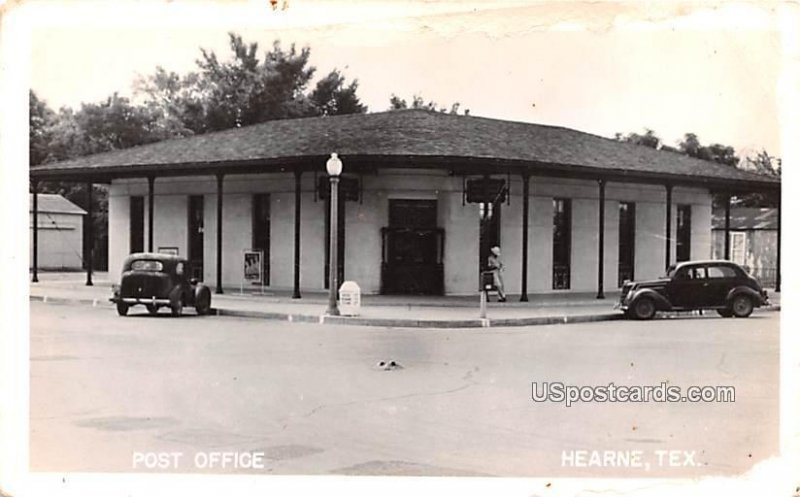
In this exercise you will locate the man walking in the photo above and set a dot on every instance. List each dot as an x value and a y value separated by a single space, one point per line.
496 267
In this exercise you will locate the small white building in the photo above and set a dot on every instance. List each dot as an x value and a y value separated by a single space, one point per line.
753 236
60 227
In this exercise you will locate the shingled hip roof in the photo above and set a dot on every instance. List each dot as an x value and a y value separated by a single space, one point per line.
54 204
747 218
404 135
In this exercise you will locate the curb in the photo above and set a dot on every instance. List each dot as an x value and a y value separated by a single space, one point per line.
421 323
62 300
384 322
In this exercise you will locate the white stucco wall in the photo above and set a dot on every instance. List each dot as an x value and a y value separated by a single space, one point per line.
363 238
511 236
540 272
364 221
118 228
700 200
611 245
461 252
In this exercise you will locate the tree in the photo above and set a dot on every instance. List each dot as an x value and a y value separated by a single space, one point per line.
417 102
116 124
219 95
331 96
112 124
41 118
648 139
715 152
175 99
761 163
246 90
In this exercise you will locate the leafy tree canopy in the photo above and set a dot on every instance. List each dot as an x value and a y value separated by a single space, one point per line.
761 163
243 89
246 89
332 96
648 139
724 154
418 102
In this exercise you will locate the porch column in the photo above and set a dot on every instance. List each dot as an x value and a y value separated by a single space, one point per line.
35 278
778 252
297 201
88 249
220 177
601 209
151 180
525 208
727 227
669 226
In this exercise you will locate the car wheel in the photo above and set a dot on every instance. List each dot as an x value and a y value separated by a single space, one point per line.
645 308
203 304
726 313
177 308
122 308
152 309
742 306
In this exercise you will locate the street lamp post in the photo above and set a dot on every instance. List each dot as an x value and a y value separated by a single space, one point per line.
334 167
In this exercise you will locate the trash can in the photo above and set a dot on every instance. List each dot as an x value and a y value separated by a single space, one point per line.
349 298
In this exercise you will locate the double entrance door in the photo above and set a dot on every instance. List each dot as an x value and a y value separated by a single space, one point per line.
412 248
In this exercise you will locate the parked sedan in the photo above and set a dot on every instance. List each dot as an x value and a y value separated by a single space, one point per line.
160 280
719 285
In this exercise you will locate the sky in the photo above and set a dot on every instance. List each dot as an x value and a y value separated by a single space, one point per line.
600 68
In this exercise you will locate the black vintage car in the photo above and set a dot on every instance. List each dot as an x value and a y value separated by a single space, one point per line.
720 285
160 280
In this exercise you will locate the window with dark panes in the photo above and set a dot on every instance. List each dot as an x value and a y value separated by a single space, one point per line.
137 224
196 234
627 241
261 227
562 250
683 242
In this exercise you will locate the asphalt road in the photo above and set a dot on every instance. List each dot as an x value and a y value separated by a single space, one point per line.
118 394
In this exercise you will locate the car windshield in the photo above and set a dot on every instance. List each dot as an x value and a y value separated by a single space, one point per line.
671 271
146 265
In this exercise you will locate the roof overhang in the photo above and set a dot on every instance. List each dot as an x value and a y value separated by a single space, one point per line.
366 164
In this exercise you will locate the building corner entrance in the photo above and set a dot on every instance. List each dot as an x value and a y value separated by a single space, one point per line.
412 249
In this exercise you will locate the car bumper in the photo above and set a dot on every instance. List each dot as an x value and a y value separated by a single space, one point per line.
140 300
622 305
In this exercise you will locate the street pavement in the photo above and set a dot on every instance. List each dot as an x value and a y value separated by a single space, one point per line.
311 399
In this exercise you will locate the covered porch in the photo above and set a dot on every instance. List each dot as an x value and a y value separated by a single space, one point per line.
520 178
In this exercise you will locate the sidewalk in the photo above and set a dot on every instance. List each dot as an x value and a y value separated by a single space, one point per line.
376 310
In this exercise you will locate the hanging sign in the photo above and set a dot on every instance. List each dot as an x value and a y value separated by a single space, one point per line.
486 191
349 188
